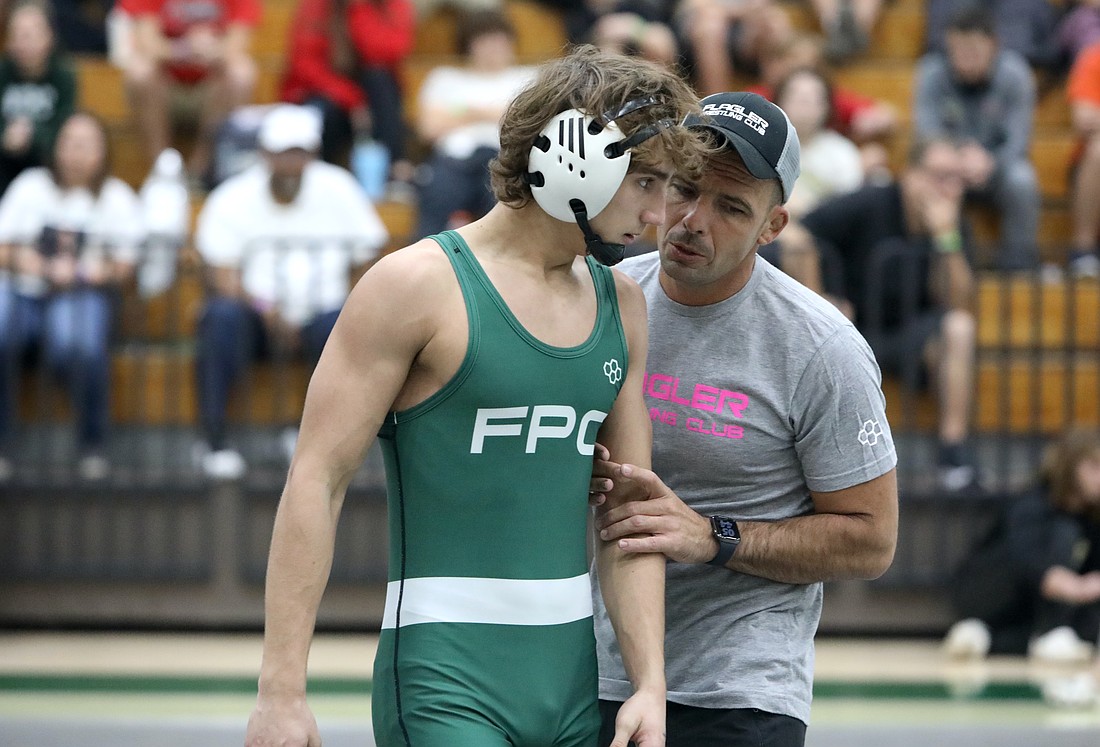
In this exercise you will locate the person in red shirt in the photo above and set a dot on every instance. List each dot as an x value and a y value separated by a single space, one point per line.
1083 91
196 45
344 58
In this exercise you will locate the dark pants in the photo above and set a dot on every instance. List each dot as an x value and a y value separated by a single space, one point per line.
231 334
717 727
73 330
1012 608
448 185
384 101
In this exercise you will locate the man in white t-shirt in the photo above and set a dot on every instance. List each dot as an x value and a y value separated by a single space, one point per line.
281 240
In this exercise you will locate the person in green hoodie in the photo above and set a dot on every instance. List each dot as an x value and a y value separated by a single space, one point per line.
37 90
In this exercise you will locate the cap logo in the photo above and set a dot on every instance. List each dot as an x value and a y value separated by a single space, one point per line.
738 113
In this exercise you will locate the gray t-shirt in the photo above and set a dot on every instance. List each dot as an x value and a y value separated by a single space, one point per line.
755 401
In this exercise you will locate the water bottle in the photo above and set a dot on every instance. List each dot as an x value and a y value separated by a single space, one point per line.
167 210
370 162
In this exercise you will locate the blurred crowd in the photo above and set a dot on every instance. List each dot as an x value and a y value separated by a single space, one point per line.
286 193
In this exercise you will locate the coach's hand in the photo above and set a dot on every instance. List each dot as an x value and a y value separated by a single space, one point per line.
654 519
282 721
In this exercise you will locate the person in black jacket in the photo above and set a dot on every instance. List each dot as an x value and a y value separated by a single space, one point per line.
1034 584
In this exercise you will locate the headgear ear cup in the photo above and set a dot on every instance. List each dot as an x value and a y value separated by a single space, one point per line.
578 162
573 166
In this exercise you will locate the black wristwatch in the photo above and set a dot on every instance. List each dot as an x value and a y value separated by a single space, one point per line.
729 537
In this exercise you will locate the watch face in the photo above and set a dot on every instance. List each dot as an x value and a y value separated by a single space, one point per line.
725 528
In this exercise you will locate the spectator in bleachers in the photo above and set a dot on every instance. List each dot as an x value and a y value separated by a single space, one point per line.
984 97
458 113
190 60
1027 27
831 163
281 240
1033 584
37 91
1083 91
903 250
848 25
868 122
344 58
632 27
724 37
69 234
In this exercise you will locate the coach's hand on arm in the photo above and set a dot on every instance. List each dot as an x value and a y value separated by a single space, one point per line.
851 534
374 342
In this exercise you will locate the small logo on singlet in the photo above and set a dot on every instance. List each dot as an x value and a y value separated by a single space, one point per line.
613 371
870 433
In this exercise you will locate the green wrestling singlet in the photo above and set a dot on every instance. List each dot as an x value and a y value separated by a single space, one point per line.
487 632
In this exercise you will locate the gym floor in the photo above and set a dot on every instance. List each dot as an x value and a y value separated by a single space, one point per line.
187 690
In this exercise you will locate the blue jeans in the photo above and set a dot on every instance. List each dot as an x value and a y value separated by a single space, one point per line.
231 334
73 330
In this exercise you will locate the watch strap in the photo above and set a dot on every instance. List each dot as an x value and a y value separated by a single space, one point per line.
727 545
725 552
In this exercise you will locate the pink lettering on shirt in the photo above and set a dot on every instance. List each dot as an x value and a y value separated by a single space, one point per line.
704 397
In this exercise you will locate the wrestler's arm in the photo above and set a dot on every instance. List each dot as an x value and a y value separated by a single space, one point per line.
633 584
365 363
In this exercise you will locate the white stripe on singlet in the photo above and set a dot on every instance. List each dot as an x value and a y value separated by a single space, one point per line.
493 601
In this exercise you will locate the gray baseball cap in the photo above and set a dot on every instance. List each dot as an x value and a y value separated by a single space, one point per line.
758 130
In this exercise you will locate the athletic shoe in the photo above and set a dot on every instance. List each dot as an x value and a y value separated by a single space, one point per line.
1060 646
224 464
1078 691
957 471
967 639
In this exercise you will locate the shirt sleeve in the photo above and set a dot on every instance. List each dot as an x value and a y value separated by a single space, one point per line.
217 235
1084 78
383 34
839 416
140 7
362 220
20 213
1018 87
929 95
308 58
246 12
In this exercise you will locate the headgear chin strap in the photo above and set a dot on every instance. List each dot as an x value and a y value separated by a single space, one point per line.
577 164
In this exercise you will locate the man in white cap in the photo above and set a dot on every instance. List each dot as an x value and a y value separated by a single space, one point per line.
281 241
769 424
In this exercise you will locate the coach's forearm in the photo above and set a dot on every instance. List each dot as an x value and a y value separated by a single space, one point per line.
815 548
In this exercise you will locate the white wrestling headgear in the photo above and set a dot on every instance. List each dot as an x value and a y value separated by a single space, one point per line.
577 164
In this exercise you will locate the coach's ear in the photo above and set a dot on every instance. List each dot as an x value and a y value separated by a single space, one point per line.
777 221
